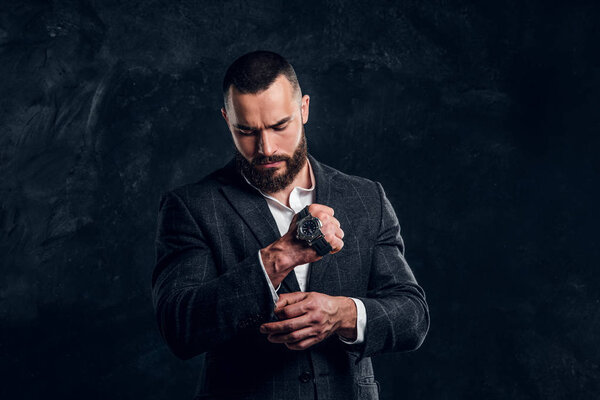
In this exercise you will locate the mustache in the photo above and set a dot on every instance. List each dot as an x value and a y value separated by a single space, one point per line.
260 160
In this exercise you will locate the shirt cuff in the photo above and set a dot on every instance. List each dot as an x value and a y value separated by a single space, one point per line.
273 290
361 323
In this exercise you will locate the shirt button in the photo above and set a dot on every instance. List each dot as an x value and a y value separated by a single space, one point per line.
305 377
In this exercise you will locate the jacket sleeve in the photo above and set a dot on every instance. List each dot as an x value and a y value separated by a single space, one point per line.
397 313
196 308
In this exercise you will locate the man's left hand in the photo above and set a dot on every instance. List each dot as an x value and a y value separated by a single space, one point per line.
308 318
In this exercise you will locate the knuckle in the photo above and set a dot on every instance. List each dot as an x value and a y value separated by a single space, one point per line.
318 319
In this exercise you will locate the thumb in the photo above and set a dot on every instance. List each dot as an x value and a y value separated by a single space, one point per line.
289 298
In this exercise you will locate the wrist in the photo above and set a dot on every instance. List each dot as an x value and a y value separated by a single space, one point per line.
276 262
348 318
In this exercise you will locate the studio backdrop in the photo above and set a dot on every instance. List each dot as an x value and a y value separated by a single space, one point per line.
480 120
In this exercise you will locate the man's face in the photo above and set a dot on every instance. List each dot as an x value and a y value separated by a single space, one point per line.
268 132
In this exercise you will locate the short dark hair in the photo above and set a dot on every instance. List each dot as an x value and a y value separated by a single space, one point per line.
256 71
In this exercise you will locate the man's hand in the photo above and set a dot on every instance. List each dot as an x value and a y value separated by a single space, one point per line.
310 317
281 256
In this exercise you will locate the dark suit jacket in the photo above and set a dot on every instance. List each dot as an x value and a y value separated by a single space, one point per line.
210 293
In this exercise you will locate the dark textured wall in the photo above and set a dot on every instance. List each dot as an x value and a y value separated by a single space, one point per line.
479 118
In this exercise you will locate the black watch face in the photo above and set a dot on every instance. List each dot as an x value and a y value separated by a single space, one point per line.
309 228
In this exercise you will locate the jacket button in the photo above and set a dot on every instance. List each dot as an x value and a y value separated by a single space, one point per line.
305 377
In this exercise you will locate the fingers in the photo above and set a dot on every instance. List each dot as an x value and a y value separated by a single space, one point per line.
336 245
334 235
313 324
298 340
295 309
332 230
327 219
289 325
292 337
315 208
290 298
304 344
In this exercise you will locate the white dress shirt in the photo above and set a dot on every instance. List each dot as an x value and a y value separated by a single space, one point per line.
283 215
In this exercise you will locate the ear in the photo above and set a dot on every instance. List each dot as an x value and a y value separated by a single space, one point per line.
304 102
224 114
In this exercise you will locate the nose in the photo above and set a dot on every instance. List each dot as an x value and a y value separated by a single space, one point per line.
265 144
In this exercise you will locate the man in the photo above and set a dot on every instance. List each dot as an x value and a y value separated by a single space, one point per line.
254 269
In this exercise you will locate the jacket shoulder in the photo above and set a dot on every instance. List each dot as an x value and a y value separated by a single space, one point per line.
341 179
203 189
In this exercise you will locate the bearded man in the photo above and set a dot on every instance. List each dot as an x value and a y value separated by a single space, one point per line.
287 273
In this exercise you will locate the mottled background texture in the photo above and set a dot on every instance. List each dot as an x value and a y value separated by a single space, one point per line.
480 119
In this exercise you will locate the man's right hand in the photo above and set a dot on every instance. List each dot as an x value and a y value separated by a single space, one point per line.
281 256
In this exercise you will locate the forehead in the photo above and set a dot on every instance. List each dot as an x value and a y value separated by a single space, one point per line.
266 107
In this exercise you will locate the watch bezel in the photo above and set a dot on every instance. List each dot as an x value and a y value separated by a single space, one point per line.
309 239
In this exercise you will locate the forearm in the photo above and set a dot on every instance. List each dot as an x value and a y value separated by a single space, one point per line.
397 322
279 259
355 334
273 290
348 319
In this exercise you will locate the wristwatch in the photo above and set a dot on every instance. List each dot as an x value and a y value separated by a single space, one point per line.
309 230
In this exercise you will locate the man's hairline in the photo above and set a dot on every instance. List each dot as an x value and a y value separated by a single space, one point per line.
295 87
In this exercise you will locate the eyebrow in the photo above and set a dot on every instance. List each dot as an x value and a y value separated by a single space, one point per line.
250 128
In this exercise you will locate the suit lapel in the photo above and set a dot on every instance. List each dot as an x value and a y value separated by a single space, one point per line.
254 211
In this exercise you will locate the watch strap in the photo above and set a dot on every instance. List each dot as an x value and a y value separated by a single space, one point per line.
303 213
321 246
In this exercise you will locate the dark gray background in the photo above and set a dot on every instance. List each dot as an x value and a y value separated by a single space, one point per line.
480 119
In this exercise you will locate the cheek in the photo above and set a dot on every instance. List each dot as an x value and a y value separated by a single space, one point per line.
292 139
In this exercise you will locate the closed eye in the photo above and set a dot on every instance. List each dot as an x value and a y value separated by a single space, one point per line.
245 132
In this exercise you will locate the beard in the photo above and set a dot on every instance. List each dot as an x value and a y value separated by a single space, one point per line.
269 180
